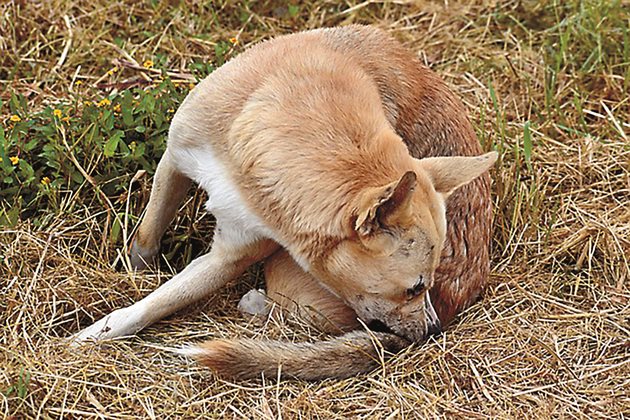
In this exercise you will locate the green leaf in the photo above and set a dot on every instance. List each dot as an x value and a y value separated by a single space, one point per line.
126 108
158 119
76 177
115 232
10 217
112 144
26 169
148 103
31 144
293 10
139 150
527 145
48 130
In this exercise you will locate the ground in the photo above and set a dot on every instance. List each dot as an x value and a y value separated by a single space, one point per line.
545 83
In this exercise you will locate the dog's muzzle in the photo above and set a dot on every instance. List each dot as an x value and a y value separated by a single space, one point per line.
414 330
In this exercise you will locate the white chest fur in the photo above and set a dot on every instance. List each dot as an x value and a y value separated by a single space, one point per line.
237 221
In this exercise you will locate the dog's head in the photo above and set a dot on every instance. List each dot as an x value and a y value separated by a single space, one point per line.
384 269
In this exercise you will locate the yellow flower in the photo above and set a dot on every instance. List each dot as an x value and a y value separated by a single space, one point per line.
65 119
78 82
14 160
104 102
112 71
45 180
15 118
191 86
117 108
57 113
147 64
233 40
0 159
171 110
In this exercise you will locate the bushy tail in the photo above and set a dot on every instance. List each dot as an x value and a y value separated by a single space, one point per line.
350 354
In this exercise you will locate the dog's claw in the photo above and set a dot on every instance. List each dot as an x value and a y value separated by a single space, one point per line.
434 326
141 258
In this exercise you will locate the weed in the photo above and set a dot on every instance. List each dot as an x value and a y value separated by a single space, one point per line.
19 388
51 151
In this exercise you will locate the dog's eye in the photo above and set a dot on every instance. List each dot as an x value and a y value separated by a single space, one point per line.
416 290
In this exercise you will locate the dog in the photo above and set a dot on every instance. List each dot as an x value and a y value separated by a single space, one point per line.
338 157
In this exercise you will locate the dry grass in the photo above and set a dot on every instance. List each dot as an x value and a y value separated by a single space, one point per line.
551 337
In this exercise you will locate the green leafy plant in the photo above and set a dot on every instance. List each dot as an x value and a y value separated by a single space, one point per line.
20 387
57 149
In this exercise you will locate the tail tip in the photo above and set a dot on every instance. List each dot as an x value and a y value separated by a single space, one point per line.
215 354
191 351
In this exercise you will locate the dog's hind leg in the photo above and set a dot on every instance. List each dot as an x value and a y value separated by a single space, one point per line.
226 260
297 292
168 191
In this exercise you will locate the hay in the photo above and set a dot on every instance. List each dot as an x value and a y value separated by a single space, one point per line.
551 336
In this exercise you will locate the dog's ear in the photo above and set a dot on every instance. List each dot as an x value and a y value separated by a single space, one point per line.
451 172
379 206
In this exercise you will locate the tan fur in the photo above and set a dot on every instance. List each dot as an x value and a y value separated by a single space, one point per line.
295 291
432 122
341 357
317 137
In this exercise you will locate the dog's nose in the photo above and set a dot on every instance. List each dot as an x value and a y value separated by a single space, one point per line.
434 329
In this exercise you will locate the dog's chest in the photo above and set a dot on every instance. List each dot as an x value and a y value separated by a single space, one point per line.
225 200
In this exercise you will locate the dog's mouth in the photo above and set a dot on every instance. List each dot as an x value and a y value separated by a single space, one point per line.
412 332
378 326
375 325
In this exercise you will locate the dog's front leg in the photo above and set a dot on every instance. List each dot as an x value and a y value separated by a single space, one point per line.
199 279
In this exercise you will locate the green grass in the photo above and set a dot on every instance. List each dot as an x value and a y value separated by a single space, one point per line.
19 388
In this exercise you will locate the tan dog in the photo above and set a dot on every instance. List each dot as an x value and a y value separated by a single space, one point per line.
306 144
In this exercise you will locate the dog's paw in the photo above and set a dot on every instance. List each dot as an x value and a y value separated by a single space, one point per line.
141 258
120 323
254 303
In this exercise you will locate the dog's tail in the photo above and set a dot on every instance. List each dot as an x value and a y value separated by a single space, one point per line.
341 357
